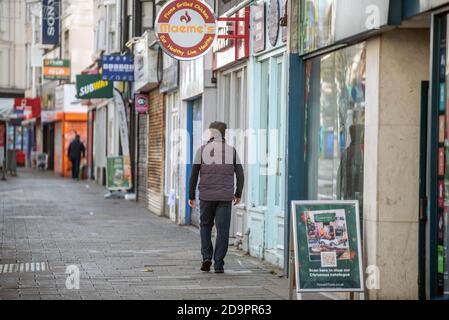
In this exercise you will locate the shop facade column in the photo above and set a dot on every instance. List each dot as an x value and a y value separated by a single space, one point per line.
397 62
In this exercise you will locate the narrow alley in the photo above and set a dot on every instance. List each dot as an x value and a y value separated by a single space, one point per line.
50 225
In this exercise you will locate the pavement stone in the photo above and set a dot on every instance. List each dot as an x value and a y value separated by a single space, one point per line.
121 250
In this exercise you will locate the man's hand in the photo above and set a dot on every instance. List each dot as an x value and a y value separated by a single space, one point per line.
236 201
192 204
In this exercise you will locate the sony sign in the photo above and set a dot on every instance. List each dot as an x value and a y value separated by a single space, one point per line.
50 21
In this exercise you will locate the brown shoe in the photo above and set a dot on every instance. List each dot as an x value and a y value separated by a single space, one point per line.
205 266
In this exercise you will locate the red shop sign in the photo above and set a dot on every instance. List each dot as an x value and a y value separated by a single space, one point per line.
27 108
233 39
2 135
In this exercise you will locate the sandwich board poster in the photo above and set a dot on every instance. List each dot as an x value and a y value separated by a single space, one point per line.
118 174
327 246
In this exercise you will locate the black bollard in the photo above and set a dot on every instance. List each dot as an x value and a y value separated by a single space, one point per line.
4 170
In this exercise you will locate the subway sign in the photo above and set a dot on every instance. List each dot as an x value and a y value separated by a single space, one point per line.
50 22
92 86
186 29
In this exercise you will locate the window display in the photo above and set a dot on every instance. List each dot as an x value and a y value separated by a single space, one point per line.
442 255
335 125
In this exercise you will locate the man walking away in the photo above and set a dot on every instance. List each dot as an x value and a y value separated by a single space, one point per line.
76 152
216 163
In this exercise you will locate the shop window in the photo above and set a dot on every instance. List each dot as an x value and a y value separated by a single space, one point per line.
147 15
112 22
263 143
335 125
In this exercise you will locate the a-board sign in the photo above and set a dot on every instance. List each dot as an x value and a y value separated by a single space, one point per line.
118 173
327 246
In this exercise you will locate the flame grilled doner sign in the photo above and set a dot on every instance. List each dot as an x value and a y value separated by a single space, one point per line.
186 29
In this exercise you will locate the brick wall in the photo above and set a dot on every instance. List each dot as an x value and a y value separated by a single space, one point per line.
156 152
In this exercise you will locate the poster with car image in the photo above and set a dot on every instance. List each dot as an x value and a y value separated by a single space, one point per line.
328 255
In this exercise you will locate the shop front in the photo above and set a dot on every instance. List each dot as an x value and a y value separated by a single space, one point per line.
353 131
170 87
267 116
230 66
434 150
150 128
47 121
435 235
70 120
22 132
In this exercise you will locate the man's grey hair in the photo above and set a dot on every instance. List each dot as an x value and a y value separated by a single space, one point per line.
220 127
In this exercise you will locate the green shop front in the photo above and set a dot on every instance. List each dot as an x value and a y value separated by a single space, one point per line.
373 110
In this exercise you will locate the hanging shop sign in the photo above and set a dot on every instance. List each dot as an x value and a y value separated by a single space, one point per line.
27 108
328 256
92 86
118 68
259 28
50 22
273 22
141 103
118 178
56 69
186 29
233 39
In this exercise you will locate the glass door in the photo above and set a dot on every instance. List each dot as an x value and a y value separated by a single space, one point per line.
276 158
197 141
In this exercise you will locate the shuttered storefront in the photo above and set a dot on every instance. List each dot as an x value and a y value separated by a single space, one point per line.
156 152
142 137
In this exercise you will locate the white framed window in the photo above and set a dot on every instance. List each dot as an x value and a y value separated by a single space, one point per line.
147 14
112 27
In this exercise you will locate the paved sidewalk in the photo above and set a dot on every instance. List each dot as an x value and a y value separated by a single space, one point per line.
122 251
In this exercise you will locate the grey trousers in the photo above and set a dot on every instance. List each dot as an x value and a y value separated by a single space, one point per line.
220 212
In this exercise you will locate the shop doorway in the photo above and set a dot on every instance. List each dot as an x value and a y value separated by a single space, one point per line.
173 154
49 144
272 157
233 110
195 131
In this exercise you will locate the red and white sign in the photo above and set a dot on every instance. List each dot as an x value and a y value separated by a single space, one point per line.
2 135
186 29
233 39
27 108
